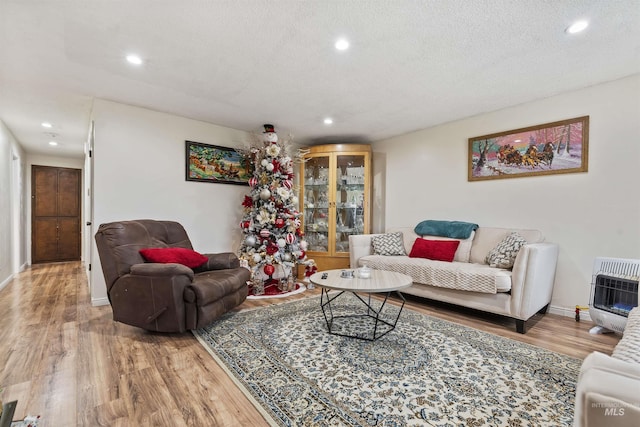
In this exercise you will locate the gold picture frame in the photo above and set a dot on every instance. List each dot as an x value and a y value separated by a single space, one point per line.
547 149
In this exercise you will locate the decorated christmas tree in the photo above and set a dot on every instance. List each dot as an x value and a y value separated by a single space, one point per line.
273 243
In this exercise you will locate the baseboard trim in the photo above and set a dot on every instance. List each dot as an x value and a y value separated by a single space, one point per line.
6 281
569 312
99 301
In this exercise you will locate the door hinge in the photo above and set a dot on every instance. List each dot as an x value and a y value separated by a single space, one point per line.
89 267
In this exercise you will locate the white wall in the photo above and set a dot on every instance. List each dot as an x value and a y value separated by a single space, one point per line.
12 213
588 214
139 172
54 161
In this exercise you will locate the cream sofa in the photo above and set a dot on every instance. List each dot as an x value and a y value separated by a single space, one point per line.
519 293
608 389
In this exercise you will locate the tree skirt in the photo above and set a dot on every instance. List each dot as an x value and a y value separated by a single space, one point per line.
427 372
272 291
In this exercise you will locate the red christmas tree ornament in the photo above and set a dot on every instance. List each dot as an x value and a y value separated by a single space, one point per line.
288 184
269 269
290 238
272 249
253 181
245 224
279 223
265 233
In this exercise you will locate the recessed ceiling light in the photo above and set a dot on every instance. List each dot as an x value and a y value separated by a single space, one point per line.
328 121
134 59
53 143
342 44
46 125
576 27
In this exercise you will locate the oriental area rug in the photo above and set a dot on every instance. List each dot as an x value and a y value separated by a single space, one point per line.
426 372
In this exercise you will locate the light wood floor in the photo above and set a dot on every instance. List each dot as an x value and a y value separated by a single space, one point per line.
72 364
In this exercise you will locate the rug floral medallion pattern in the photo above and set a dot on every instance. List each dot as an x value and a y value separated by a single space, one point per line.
427 372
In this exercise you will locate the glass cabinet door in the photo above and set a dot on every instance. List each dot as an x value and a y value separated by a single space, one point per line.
316 203
350 198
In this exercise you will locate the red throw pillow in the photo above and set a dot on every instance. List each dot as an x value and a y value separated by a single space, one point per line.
184 256
438 250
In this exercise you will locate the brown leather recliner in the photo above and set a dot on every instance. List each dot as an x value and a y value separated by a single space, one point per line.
165 297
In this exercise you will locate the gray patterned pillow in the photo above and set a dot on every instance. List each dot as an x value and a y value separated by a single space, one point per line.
388 244
505 252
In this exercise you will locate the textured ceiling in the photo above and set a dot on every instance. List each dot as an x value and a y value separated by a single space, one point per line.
412 64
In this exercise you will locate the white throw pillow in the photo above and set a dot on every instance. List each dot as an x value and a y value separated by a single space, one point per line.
505 252
388 244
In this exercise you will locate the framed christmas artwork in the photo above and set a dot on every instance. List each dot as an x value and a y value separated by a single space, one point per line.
214 163
547 149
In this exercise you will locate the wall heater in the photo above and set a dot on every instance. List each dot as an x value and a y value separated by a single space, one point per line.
614 292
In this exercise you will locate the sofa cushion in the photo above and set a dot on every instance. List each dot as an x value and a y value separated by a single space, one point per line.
439 250
409 237
505 252
388 244
456 275
486 238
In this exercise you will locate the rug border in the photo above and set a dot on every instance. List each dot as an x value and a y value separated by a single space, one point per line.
259 407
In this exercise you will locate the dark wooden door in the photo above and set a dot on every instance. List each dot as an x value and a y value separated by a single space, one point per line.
55 207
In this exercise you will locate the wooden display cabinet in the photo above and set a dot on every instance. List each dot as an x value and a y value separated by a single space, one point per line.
336 200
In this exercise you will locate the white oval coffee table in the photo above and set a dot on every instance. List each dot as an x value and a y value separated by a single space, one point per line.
383 282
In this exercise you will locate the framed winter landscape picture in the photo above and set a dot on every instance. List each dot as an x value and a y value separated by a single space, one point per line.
213 163
550 148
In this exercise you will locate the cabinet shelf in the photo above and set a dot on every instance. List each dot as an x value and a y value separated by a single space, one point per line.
350 187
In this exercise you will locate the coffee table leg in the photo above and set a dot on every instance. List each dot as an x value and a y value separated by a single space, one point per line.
325 304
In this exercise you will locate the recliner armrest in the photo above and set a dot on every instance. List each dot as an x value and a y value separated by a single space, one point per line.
161 270
219 261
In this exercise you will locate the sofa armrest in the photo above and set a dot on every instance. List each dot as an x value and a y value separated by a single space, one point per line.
607 392
219 261
359 246
152 269
532 279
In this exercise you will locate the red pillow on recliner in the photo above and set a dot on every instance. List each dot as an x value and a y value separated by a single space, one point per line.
438 250
184 256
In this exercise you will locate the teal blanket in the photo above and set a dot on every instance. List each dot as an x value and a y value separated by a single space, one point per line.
453 229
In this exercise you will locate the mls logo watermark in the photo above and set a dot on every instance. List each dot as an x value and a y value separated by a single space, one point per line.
613 412
613 409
